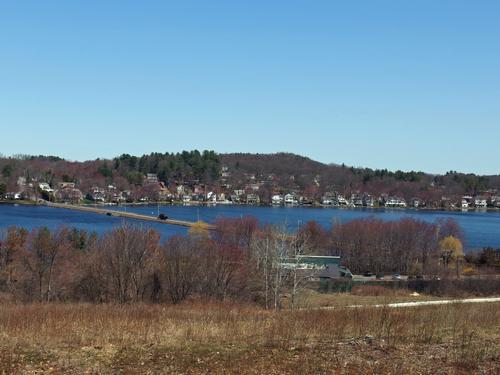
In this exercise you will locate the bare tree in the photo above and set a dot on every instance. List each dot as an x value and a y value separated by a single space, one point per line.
11 246
127 257
179 268
300 274
43 253
270 250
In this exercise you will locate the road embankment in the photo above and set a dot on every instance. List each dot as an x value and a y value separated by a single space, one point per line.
129 215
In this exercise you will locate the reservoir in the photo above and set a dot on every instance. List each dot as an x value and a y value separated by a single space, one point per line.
482 228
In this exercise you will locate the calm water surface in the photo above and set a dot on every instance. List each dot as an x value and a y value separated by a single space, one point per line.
481 228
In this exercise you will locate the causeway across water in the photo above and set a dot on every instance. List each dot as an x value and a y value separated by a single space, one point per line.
129 215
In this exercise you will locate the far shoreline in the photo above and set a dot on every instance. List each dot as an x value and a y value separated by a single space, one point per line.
23 202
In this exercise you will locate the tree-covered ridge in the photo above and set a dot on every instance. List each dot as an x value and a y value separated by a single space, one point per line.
125 171
263 174
289 171
187 165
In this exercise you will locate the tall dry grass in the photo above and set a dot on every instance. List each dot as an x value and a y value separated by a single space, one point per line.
70 334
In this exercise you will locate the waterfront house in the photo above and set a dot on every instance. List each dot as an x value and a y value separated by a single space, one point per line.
253 199
221 198
466 201
480 202
341 200
290 199
211 197
45 187
69 195
356 200
277 200
495 201
395 202
13 196
305 201
164 193
329 199
416 202
181 190
97 194
368 201
117 197
235 198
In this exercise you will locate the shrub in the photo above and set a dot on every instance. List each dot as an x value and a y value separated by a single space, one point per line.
469 271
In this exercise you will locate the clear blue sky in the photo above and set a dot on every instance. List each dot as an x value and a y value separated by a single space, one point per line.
388 84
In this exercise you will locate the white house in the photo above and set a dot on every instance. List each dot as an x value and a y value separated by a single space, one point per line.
466 201
277 200
290 199
480 202
342 201
395 202
45 187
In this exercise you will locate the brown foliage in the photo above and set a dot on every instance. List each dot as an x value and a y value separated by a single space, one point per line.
126 258
386 246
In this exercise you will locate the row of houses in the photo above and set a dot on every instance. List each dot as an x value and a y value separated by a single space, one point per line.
65 192
250 193
289 199
468 201
363 200
367 200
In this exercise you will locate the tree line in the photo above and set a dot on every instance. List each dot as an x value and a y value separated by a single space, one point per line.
240 259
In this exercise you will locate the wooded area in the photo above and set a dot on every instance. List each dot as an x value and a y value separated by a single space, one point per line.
272 173
239 260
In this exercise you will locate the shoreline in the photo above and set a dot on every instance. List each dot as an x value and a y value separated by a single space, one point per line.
207 204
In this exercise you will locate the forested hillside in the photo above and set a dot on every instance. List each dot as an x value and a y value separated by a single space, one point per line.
265 174
289 171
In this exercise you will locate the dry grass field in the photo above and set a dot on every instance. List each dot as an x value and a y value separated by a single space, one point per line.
212 338
365 295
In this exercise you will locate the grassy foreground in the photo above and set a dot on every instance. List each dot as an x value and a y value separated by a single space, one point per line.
226 338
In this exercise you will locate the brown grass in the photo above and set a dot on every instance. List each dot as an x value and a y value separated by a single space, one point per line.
362 295
227 338
378 290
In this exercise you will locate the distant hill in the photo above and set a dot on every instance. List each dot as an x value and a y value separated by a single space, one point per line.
284 172
265 174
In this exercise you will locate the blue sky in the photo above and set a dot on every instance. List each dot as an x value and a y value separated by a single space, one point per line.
384 84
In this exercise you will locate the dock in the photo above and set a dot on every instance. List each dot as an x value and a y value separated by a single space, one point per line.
128 215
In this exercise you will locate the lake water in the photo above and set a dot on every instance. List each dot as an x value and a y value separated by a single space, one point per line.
481 228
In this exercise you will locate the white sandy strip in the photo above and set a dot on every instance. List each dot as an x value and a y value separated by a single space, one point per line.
431 303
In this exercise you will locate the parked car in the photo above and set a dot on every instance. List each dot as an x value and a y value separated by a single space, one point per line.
396 276
162 217
379 276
